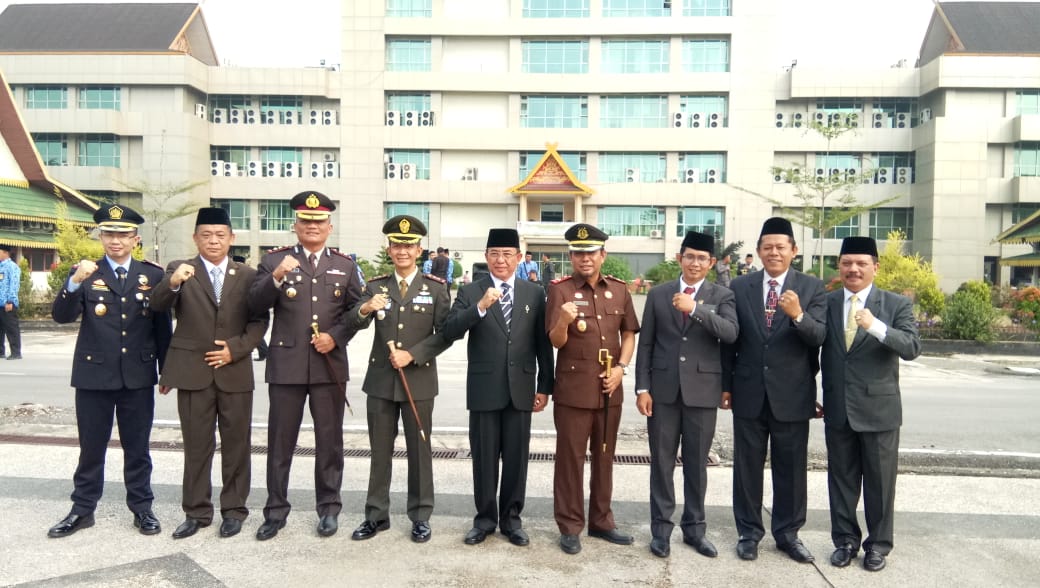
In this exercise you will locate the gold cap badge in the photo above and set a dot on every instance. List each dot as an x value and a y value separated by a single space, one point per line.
312 201
115 213
582 233
405 225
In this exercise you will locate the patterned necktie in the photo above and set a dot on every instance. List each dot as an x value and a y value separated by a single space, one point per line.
687 290
314 260
403 285
507 303
850 321
771 300
121 272
217 277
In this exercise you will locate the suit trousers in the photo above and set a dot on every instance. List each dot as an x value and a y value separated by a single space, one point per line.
576 429
382 430
869 460
133 411
201 413
327 403
788 443
493 435
11 330
694 428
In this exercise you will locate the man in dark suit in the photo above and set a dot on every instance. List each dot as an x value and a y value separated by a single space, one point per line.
409 309
868 331
679 387
209 365
121 341
310 287
770 382
505 318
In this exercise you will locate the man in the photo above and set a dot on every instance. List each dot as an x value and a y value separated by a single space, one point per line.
769 381
868 331
440 265
121 342
209 363
409 311
311 288
679 388
589 317
450 274
10 282
548 271
505 318
722 271
427 265
524 269
747 266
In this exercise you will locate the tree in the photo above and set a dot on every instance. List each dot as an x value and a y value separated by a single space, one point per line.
616 266
160 206
74 243
970 315
909 275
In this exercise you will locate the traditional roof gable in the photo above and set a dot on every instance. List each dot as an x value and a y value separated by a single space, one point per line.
982 28
551 175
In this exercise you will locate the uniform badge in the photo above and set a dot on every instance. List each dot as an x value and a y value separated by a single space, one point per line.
337 293
290 292
583 233
579 295
231 272
139 296
424 287
100 310
384 289
582 325
527 309
608 294
142 279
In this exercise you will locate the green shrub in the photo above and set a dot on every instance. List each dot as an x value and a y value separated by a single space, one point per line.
911 275
970 314
616 266
664 271
1026 307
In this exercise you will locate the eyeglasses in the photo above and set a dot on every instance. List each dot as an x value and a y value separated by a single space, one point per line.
701 259
498 254
123 237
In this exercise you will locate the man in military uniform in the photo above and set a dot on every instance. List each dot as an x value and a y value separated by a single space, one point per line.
591 320
409 311
311 288
121 342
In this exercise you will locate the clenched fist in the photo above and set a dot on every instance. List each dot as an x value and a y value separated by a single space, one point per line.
181 275
570 312
85 269
288 264
790 304
375 303
490 297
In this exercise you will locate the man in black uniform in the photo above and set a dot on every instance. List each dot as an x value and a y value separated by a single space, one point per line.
121 342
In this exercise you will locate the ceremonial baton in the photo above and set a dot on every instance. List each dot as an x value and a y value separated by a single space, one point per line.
408 392
605 359
332 372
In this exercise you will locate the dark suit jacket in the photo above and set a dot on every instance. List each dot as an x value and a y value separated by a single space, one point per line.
121 338
677 355
200 321
779 363
861 385
502 362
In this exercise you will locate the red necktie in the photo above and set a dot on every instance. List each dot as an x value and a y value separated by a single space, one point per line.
771 300
687 290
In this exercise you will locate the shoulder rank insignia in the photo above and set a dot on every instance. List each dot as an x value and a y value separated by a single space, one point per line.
618 280
435 278
563 279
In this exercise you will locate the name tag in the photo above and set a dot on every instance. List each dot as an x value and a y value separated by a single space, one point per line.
581 303
423 299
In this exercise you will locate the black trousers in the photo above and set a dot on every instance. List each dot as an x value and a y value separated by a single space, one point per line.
10 329
869 460
499 435
692 428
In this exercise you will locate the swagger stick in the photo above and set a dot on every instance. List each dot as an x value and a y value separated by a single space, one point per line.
408 392
606 360
332 372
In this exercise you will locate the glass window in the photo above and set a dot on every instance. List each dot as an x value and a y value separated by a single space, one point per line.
556 8
46 97
1027 158
405 102
408 55
419 210
707 220
701 109
892 113
555 56
849 228
1028 101
237 155
272 109
885 220
554 112
1020 212
53 148
704 168
704 55
238 210
275 215
576 160
99 151
409 8
227 103
274 160
706 8
630 221
638 56
551 213
631 167
636 8
835 164
100 97
633 112
417 158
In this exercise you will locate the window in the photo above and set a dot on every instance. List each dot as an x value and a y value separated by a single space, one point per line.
551 213
238 210
408 55
556 8
885 220
236 155
420 160
703 168
402 102
555 56
633 112
46 97
707 220
228 102
636 8
53 148
281 155
1027 158
409 8
576 160
838 163
893 113
848 228
630 221
276 105
1020 212
275 215
99 97
631 167
99 151
705 106
706 8
420 211
640 56
554 112
705 55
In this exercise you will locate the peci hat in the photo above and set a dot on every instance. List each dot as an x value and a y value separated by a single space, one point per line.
777 226
585 237
858 246
503 238
312 205
699 241
212 216
404 229
117 218
5 247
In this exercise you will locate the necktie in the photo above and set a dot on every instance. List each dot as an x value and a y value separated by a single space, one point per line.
313 259
507 303
217 277
687 290
403 285
771 299
121 272
850 321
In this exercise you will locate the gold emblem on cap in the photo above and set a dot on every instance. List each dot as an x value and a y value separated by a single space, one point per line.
115 212
312 201
404 225
583 233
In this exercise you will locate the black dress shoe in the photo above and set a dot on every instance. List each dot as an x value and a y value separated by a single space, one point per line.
146 523
475 536
660 547
570 544
230 527
368 529
613 535
188 528
70 525
327 525
702 545
843 555
873 561
747 549
269 529
797 551
16 356
421 531
517 537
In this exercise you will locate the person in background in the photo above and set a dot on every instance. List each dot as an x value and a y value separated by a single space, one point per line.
747 266
722 271
10 283
528 265
548 271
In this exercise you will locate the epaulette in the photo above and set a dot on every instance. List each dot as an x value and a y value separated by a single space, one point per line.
340 253
619 280
152 263
382 277
563 279
435 278
279 249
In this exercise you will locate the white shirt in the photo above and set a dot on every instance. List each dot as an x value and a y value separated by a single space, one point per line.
498 284
779 286
878 329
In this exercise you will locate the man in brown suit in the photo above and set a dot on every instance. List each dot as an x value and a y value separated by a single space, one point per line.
209 364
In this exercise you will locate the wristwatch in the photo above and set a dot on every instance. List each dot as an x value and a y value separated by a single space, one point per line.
624 368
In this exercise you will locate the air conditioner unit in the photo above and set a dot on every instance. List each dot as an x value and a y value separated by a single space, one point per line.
926 115
456 254
252 117
411 118
216 167
200 110
852 121
316 169
797 119
393 118
426 118
331 169
328 117
290 117
393 171
254 168
273 169
879 120
820 117
328 156
781 120
902 120
794 175
712 176
778 178
904 175
314 117
230 169
470 175
696 120
836 119
821 174
656 234
219 115
884 175
291 169
407 171
631 175
270 117
836 175
235 116
680 120
715 119
692 175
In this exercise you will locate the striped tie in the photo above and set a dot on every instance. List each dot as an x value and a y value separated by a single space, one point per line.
218 282
507 303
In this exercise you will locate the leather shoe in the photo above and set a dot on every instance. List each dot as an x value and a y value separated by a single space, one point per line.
70 525
146 522
327 525
797 551
570 544
230 527
18 356
747 549
188 528
269 529
421 531
517 537
613 535
660 547
873 561
702 545
475 536
368 529
843 555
